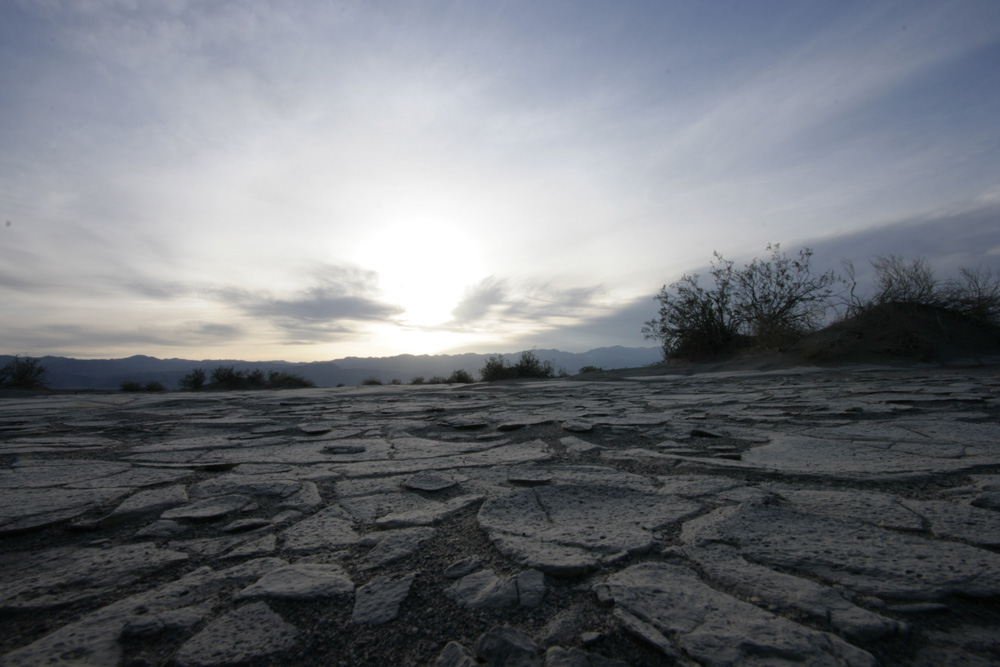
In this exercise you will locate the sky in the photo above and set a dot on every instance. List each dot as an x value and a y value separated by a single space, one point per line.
311 180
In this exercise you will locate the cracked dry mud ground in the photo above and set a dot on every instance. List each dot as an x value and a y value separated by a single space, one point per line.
823 517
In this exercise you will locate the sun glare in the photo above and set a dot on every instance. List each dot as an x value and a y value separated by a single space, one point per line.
424 265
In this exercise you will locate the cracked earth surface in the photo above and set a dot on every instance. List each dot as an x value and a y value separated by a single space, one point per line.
822 517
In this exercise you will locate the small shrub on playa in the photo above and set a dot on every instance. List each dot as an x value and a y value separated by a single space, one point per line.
395 381
256 379
902 284
530 366
913 313
460 377
527 366
194 380
437 379
591 369
371 381
780 298
417 380
900 281
23 373
281 380
768 303
495 369
229 379
694 321
152 385
975 294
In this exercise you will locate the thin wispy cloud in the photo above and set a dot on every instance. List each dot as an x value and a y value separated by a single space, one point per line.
479 299
77 339
486 164
518 307
339 299
319 304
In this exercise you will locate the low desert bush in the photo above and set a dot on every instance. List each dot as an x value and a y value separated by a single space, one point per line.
767 303
194 380
152 385
975 294
530 366
23 373
371 381
282 380
591 369
900 281
229 379
903 285
255 379
527 366
494 369
461 377
417 380
910 312
694 321
780 299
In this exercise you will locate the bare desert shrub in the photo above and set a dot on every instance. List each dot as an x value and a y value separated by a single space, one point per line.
256 379
767 302
461 377
912 313
282 380
530 366
23 373
229 379
527 366
151 386
194 380
780 298
902 285
494 369
975 294
694 321
371 381
900 281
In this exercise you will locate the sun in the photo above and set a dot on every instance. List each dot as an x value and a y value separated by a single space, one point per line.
424 265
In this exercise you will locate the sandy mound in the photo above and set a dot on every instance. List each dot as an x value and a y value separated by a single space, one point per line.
901 333
893 335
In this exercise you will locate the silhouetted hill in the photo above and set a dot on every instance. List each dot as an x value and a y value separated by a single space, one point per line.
68 373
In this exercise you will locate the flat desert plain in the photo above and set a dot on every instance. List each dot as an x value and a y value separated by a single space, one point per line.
843 516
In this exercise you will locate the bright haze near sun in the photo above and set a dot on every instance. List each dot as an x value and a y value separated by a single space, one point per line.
310 180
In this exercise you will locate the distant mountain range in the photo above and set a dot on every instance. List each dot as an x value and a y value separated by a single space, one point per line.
66 373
